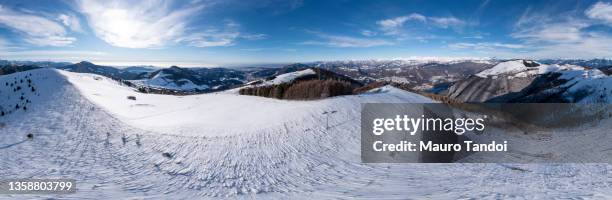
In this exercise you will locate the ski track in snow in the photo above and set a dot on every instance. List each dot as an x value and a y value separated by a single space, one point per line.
300 159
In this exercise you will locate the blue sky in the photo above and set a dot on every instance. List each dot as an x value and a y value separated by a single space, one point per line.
233 32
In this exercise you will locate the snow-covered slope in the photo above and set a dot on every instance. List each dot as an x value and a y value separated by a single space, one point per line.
242 147
289 77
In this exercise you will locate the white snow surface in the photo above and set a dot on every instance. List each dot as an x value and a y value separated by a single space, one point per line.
288 77
239 147
516 68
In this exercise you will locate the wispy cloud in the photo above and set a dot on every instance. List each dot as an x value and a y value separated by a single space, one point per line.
71 22
210 38
53 55
137 24
345 41
35 29
568 31
446 22
214 37
156 23
485 46
393 26
367 33
3 44
569 36
257 36
600 11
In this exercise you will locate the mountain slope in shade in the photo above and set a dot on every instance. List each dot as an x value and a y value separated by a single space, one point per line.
567 86
9 69
529 81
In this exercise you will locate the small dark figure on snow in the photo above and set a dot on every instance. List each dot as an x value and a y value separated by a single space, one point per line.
167 155
124 139
30 136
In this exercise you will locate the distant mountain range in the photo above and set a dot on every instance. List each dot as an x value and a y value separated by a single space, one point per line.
593 63
464 80
129 73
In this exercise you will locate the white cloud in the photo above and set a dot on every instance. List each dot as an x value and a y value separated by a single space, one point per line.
393 26
71 22
142 24
210 38
346 41
47 53
258 36
214 37
485 46
569 36
53 55
594 46
600 11
399 21
35 29
446 22
368 33
569 31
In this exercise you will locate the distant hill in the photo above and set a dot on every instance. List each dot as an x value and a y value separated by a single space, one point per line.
305 84
9 69
108 71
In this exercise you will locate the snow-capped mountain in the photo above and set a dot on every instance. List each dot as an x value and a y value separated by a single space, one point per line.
530 81
191 79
